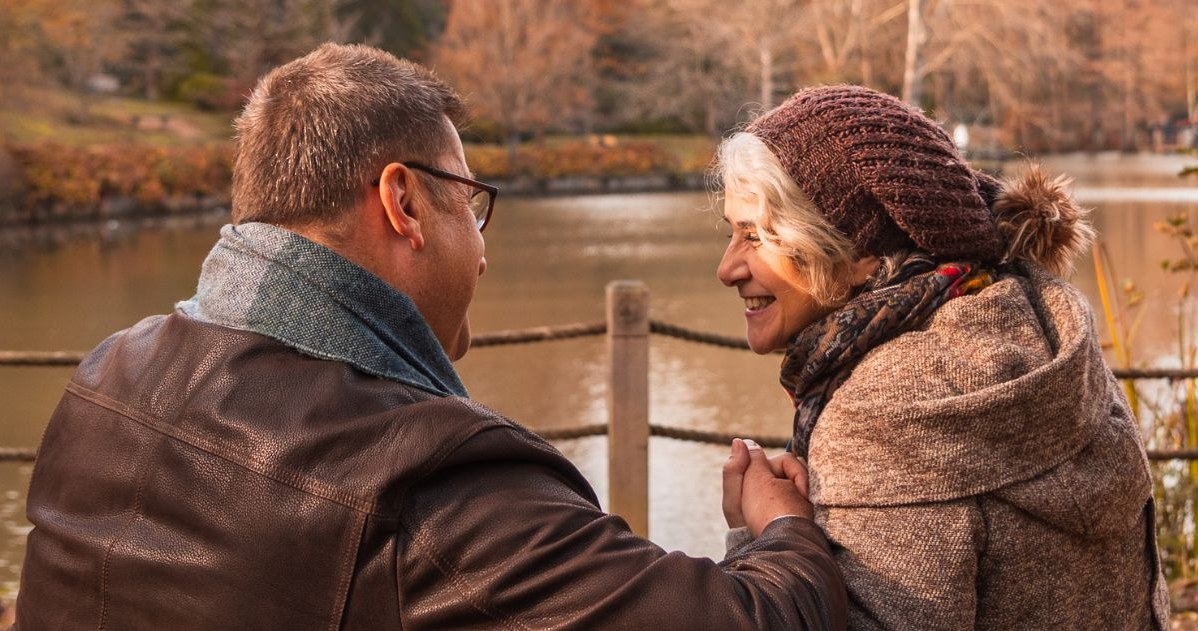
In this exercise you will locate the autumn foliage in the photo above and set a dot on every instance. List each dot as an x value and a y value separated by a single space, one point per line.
60 180
573 158
71 182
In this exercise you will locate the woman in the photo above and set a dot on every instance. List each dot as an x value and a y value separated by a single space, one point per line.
971 457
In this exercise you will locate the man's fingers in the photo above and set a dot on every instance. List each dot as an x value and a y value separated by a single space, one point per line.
776 465
786 465
767 495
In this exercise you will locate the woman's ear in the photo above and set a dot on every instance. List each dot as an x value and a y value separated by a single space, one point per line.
862 269
398 199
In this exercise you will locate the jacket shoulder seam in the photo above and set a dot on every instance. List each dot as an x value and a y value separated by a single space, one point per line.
283 476
451 572
486 421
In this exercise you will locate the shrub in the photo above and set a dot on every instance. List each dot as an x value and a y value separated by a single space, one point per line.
211 92
489 161
69 181
57 176
598 156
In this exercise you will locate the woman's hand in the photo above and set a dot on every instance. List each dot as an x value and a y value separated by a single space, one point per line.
734 476
758 490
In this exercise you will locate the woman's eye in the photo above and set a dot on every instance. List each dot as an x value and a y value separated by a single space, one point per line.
751 237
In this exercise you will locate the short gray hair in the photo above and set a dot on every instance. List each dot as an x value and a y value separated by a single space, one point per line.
788 222
318 128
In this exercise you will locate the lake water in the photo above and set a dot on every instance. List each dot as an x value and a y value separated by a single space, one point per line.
549 261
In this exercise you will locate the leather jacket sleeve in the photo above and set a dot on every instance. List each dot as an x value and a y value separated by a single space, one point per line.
511 543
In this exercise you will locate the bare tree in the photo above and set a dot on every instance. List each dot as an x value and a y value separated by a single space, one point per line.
404 27
524 64
758 37
693 77
1189 55
18 49
83 36
844 37
234 42
917 37
1142 68
1055 75
153 34
854 41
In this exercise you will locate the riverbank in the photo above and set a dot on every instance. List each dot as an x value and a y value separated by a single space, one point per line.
128 159
48 183
52 185
112 219
118 218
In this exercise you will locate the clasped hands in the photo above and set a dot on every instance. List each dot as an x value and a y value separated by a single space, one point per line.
758 490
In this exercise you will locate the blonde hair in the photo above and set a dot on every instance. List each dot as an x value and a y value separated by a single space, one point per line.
788 222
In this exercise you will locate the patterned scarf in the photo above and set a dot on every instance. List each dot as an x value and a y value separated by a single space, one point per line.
271 281
822 356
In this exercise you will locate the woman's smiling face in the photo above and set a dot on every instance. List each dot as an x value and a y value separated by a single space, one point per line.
778 303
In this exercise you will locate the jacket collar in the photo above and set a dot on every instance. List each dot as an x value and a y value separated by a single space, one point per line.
268 280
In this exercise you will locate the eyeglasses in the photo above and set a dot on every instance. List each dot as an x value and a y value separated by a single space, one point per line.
482 200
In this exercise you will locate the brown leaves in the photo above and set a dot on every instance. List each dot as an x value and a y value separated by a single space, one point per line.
572 158
56 174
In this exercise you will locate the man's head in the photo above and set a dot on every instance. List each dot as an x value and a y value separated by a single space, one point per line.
316 130
358 150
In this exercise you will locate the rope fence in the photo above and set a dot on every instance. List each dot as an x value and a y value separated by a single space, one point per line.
772 442
41 358
17 454
539 334
591 329
565 332
25 454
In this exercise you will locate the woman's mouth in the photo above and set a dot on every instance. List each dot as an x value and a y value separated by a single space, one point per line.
757 303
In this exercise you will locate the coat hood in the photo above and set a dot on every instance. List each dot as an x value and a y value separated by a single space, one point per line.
1005 391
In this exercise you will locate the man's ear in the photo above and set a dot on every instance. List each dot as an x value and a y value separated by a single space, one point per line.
861 269
397 194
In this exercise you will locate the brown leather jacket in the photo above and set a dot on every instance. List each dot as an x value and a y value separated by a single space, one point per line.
199 477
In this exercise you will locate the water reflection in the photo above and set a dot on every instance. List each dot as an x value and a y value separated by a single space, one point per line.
18 240
14 479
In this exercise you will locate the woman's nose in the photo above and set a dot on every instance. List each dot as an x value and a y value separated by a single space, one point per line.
732 269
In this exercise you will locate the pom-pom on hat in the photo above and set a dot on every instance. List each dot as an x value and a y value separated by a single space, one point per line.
884 174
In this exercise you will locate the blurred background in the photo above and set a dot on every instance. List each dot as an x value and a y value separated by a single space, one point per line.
1036 76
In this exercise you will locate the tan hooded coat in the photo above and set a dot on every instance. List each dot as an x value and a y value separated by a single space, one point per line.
985 473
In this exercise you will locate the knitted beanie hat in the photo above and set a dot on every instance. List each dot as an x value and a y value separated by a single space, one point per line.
883 173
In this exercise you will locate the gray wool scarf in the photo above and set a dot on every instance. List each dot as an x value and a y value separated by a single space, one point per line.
268 280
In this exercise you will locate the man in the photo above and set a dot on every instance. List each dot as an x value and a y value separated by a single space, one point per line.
292 449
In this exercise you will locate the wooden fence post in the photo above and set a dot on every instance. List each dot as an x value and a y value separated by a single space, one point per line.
628 403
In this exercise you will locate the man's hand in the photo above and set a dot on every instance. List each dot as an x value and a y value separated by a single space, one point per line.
758 490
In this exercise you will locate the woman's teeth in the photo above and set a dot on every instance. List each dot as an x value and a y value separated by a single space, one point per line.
756 303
